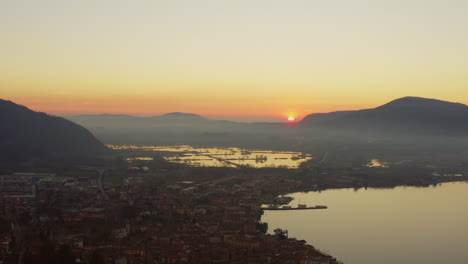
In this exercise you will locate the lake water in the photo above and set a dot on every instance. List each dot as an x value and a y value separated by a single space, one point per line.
377 163
383 226
220 157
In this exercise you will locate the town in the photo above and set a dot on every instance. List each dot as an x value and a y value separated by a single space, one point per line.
91 217
154 211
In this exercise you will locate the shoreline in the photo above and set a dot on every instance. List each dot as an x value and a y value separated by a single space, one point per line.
301 190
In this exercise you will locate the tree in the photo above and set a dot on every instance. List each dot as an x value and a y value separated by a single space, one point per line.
25 218
129 212
47 253
65 255
262 227
96 258
29 258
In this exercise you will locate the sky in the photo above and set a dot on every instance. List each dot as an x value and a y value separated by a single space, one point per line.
251 59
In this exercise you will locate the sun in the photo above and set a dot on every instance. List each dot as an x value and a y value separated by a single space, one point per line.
291 118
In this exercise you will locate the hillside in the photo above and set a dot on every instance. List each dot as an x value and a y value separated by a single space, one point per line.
26 134
404 115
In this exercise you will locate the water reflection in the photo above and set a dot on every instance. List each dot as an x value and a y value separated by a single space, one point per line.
139 158
223 157
385 226
377 163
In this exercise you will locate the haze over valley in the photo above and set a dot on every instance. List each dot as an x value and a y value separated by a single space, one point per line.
403 128
232 132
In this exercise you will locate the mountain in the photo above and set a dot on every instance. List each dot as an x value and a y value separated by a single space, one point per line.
182 117
171 123
26 134
117 121
405 115
176 129
405 121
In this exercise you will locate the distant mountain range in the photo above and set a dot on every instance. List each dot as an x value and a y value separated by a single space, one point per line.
409 123
404 115
405 120
121 121
174 128
165 117
26 134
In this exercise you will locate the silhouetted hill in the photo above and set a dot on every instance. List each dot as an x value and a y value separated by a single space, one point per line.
182 116
405 115
175 129
27 134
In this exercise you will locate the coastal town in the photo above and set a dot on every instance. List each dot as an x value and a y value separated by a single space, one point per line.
152 211
53 218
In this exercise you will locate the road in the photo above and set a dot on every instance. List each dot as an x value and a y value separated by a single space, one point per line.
101 174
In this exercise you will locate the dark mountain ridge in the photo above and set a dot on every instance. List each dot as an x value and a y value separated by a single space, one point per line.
404 115
27 134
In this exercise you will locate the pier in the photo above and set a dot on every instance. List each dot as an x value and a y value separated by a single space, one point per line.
285 208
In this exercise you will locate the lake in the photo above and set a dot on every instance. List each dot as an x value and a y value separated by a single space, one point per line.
219 157
385 226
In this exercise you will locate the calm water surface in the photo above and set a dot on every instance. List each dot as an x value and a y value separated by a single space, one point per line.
221 157
384 226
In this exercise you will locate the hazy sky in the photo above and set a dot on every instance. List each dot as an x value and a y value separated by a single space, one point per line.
252 58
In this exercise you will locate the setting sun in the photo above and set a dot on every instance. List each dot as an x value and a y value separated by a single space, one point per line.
222 126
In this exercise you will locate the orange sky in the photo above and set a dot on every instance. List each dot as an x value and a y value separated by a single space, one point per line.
246 108
251 59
